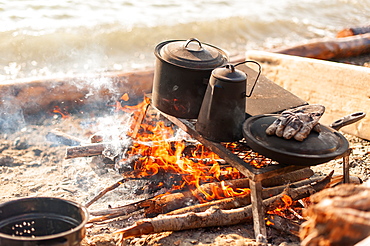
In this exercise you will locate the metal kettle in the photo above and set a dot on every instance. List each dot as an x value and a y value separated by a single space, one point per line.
222 112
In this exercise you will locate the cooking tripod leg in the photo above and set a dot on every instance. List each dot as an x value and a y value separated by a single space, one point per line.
257 209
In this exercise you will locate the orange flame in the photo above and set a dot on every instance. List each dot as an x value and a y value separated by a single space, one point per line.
195 164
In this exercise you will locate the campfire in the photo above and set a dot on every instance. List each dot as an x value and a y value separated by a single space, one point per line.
188 174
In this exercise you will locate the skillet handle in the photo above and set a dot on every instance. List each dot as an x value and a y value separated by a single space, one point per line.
347 120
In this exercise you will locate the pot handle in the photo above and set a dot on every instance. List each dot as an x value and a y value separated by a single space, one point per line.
258 75
347 120
191 40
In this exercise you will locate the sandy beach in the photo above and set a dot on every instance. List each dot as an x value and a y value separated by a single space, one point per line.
31 166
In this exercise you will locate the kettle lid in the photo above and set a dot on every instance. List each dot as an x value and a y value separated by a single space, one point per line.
229 74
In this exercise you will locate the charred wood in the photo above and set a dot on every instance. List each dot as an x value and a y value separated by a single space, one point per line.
283 225
288 178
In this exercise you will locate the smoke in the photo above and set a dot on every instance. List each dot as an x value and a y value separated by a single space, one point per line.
11 115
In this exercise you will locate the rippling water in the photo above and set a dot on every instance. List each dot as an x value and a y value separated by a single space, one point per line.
43 37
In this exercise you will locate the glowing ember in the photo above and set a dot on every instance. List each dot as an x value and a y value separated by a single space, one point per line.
62 112
125 97
268 222
248 155
288 210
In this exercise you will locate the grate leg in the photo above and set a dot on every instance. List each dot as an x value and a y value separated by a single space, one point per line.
257 209
346 169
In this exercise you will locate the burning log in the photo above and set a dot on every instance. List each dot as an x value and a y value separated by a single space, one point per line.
327 49
85 150
243 200
167 203
97 146
108 149
215 216
338 216
175 201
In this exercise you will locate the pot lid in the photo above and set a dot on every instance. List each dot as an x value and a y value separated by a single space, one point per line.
229 73
316 148
191 54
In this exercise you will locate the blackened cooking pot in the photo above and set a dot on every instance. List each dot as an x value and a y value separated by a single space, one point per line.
182 72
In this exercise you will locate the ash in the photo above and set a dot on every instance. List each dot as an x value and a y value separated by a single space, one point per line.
31 165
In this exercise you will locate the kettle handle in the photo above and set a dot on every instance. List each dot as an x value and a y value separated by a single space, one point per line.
258 75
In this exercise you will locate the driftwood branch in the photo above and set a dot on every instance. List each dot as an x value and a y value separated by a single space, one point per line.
327 49
215 216
40 94
351 31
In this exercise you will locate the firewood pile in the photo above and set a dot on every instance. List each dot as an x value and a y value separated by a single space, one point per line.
337 216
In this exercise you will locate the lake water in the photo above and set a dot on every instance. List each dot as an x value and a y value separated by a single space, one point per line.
43 37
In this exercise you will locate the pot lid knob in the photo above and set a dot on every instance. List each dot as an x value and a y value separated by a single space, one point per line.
229 73
195 47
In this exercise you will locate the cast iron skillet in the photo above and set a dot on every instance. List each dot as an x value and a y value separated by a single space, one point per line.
315 149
